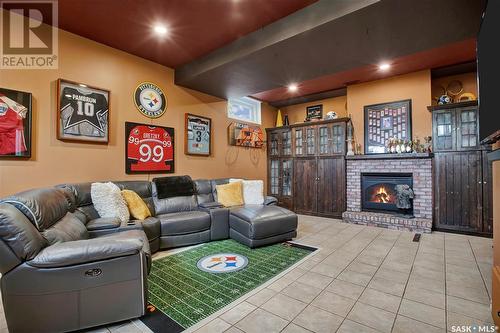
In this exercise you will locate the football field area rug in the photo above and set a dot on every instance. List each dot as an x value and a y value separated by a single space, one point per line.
189 286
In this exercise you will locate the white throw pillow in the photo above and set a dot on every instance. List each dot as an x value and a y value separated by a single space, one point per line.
253 191
108 201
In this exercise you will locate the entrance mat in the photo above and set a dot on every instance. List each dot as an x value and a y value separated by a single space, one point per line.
189 286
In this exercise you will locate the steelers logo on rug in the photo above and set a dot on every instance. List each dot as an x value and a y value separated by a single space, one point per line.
150 100
222 263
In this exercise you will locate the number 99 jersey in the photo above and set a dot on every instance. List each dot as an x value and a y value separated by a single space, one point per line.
149 149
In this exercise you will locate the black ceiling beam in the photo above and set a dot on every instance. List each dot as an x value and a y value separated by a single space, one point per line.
310 98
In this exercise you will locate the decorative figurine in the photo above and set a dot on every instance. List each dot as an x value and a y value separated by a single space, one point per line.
444 99
331 115
404 196
350 152
286 122
427 146
279 120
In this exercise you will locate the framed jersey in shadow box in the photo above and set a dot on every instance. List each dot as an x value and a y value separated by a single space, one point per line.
148 149
82 113
198 135
15 123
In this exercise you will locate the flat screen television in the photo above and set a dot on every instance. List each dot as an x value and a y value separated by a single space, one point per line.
488 70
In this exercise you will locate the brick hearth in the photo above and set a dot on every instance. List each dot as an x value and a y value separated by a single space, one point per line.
419 165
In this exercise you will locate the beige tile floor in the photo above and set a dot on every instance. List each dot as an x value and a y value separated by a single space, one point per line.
366 279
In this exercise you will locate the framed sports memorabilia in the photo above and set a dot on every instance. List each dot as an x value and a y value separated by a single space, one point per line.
386 121
150 100
198 135
314 112
245 135
15 123
82 113
148 149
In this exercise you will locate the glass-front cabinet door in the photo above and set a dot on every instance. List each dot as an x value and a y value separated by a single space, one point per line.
274 177
338 139
286 143
324 138
286 180
298 142
273 144
444 130
467 133
310 140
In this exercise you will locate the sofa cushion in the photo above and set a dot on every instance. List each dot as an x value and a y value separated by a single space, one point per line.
136 206
258 221
19 233
141 187
81 191
204 191
253 191
215 182
43 207
108 201
184 222
103 223
69 228
230 194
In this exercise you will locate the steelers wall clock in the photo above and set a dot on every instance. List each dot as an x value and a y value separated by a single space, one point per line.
150 100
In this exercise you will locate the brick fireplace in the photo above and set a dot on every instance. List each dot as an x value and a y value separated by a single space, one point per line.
371 200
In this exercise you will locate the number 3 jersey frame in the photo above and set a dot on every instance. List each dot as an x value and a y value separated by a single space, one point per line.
149 149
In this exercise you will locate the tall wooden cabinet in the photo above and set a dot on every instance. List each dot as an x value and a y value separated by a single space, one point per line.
462 173
306 166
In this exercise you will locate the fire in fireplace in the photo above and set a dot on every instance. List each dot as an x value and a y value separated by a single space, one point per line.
379 192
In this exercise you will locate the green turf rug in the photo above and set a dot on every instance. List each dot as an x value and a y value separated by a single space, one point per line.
189 286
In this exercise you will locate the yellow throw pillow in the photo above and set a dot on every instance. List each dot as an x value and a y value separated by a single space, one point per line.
137 207
230 194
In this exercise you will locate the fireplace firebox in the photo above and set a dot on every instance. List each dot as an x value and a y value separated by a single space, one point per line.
378 192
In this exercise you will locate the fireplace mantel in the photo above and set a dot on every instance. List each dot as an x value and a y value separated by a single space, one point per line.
389 156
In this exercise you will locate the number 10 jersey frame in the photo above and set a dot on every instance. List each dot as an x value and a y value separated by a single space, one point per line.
149 149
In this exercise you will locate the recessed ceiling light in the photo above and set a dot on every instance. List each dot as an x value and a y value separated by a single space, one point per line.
293 87
384 66
160 29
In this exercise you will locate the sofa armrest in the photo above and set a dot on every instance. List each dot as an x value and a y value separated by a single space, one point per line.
210 205
219 222
269 201
103 223
85 251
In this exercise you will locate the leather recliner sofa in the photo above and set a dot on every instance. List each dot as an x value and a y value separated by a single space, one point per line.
56 278
66 268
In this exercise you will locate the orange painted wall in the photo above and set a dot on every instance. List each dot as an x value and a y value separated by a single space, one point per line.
94 64
469 83
297 113
415 86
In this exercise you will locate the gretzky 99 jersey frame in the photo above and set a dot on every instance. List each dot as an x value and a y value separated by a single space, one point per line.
82 113
149 149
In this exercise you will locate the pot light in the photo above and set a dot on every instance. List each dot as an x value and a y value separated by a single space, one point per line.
160 29
384 66
293 87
